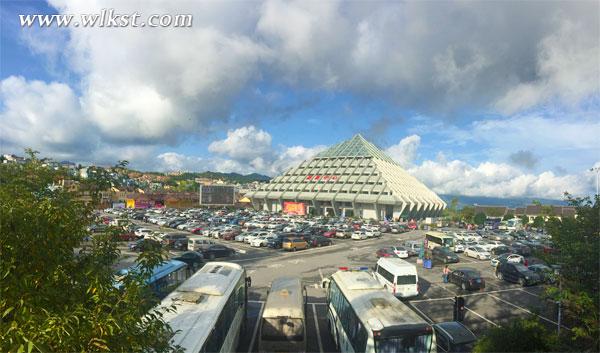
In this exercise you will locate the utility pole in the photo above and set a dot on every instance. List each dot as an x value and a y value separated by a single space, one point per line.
597 170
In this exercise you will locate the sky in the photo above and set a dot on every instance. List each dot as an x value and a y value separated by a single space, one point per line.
491 98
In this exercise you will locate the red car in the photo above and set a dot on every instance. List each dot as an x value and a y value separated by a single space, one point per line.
197 230
385 252
329 233
128 237
230 235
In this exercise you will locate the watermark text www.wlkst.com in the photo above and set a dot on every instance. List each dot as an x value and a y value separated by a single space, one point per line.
106 18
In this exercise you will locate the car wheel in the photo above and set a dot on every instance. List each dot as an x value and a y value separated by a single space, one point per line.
211 256
500 276
463 286
522 282
293 249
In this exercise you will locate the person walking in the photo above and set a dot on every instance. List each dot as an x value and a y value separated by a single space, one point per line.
445 273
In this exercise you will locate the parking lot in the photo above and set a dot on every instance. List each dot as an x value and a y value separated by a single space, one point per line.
497 304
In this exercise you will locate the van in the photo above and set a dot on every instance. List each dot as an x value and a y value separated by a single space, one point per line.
413 246
398 277
198 243
293 244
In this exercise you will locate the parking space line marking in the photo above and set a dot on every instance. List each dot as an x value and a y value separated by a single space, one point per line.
527 311
321 274
466 295
317 328
427 318
262 306
486 319
528 292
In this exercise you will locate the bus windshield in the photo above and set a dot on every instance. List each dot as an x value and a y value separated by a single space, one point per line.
420 343
282 329
449 242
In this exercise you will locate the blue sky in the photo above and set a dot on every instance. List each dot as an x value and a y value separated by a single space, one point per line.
473 98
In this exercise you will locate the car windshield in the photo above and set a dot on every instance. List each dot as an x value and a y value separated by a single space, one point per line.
404 344
521 268
479 249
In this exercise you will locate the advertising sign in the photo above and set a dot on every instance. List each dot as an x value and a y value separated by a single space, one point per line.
130 203
118 205
296 208
218 195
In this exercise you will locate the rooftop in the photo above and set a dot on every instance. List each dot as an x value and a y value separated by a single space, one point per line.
357 146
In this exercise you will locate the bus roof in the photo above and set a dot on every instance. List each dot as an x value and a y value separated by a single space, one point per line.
438 234
376 307
165 268
199 301
286 298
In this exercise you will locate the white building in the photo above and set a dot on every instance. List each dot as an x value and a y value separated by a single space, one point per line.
352 178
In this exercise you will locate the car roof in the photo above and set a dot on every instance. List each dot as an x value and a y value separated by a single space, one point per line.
456 331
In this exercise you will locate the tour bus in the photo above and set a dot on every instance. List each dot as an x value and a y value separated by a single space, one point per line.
165 277
283 323
398 277
435 239
210 309
364 317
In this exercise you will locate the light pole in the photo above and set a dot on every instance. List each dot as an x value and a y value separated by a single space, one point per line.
597 170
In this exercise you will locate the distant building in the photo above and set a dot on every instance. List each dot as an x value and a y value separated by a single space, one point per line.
352 178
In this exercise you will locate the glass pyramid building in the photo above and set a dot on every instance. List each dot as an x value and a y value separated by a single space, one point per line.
352 178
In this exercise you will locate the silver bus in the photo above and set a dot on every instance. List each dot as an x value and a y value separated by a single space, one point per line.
283 321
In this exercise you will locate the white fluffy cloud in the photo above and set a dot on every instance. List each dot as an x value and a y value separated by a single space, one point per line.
497 180
244 150
405 151
243 144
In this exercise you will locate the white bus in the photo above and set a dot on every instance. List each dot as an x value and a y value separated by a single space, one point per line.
210 309
364 317
283 322
435 239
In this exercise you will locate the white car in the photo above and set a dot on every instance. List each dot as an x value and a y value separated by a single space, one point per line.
241 238
259 241
400 251
459 247
514 258
359 235
485 245
372 233
477 252
141 232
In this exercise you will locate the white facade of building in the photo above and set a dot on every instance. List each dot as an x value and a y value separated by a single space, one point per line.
352 178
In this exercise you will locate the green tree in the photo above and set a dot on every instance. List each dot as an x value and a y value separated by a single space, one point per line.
467 213
524 220
508 216
578 240
54 297
538 222
479 219
520 335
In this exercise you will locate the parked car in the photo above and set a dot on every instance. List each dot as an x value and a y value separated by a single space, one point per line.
453 336
459 246
344 234
277 241
142 244
141 232
359 235
385 252
214 251
546 274
293 244
260 241
128 236
372 233
521 249
507 257
193 259
477 252
502 249
97 228
330 233
444 255
400 251
170 238
413 247
319 240
467 278
517 273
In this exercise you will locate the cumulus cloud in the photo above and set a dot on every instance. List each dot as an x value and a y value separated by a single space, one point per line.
244 144
497 180
405 151
524 159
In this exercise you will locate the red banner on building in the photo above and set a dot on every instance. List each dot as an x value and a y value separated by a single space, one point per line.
296 208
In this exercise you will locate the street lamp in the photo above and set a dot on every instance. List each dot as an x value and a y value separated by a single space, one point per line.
597 170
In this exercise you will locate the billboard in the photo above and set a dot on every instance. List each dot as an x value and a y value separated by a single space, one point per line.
296 208
217 195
